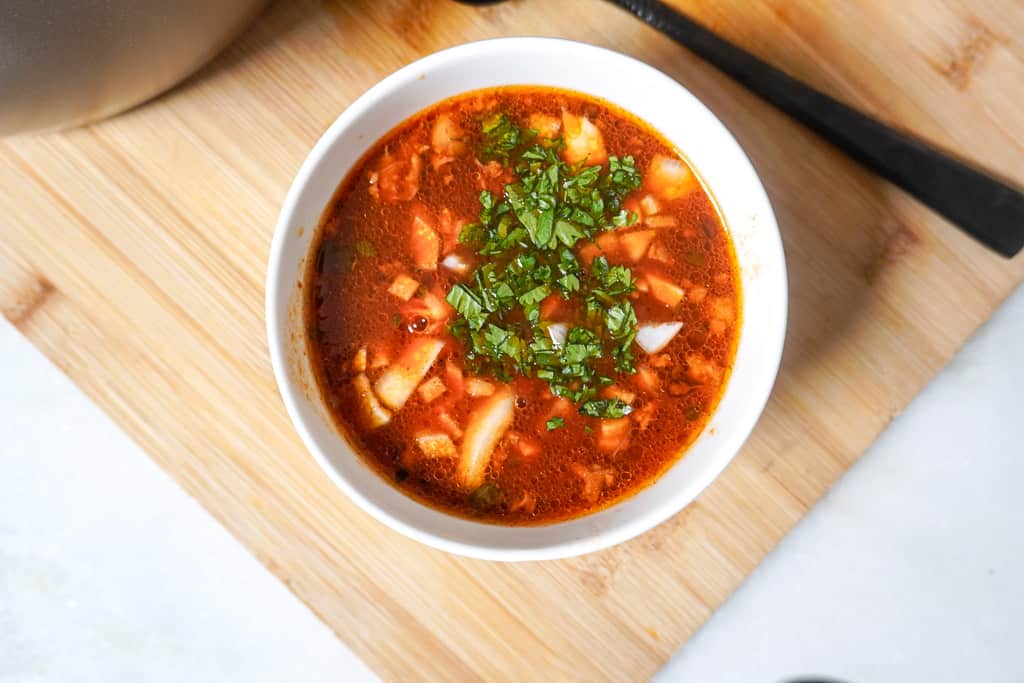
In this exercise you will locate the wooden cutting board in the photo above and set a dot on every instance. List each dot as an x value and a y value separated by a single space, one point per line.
133 254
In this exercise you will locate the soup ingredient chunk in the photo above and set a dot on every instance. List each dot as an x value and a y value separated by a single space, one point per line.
374 414
424 243
448 138
670 178
583 141
397 178
487 424
436 446
401 379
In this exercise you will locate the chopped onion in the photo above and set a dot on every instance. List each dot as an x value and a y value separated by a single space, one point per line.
652 338
455 263
558 332
396 385
487 424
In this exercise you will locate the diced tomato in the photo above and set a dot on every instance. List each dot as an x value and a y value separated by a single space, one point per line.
583 140
379 359
492 176
435 445
526 503
547 126
454 379
723 313
527 447
661 222
498 458
635 244
664 290
403 287
661 360
645 416
479 387
448 424
701 370
359 360
397 177
438 309
595 480
551 306
646 379
447 137
650 205
658 252
430 305
424 242
670 178
612 434
608 243
624 395
432 389
588 252
449 227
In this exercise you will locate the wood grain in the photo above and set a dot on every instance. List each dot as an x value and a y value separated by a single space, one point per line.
133 254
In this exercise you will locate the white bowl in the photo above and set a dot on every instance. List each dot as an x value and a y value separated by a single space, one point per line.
681 118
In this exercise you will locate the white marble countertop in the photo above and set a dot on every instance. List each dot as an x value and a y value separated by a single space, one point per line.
907 571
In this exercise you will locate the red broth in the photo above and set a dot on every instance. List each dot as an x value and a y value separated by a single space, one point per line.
412 396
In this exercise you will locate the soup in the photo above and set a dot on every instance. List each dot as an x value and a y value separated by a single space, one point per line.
523 305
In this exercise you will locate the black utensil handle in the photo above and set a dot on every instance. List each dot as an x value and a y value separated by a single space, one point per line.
984 207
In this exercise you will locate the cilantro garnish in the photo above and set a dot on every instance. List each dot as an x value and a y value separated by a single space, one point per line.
501 136
527 236
610 407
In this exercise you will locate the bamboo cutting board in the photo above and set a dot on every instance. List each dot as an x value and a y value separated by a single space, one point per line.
133 254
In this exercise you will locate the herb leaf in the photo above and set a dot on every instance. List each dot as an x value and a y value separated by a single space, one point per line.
468 305
527 236
612 408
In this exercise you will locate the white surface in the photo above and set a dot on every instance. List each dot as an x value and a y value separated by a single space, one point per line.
911 568
110 573
670 109
908 571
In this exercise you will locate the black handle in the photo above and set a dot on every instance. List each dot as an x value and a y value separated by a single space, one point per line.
984 207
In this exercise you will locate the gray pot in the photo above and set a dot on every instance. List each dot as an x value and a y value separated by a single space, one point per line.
67 62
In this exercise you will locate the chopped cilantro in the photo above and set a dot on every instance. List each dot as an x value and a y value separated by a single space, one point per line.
555 423
501 136
606 407
527 236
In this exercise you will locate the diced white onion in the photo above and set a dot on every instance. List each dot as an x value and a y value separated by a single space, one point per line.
558 332
652 338
455 263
